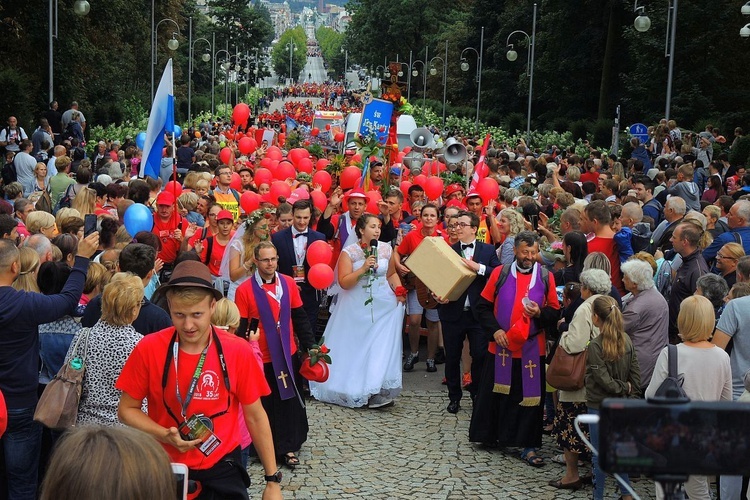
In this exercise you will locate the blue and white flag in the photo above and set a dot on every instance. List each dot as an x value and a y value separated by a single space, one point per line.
160 121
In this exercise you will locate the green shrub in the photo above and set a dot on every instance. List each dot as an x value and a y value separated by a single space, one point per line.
602 133
579 129
740 154
515 122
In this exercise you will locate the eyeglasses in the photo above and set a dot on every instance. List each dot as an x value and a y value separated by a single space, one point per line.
452 226
724 257
268 261
462 224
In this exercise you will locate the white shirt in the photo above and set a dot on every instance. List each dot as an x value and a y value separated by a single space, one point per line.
468 253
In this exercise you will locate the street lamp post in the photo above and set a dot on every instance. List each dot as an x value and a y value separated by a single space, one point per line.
642 23
82 8
172 45
346 63
205 57
292 47
512 55
213 75
433 72
465 67
415 73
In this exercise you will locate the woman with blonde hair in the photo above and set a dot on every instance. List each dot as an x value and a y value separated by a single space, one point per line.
119 464
704 368
41 222
727 259
26 279
64 213
612 371
509 223
238 264
85 201
105 347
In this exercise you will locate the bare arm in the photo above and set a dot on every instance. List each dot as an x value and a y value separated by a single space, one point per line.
237 268
348 277
721 339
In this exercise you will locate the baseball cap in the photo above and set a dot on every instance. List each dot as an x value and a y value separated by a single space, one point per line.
165 198
224 215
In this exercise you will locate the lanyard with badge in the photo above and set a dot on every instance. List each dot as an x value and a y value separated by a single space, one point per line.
300 248
196 426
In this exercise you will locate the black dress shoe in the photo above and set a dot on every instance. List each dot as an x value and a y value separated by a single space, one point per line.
440 356
454 406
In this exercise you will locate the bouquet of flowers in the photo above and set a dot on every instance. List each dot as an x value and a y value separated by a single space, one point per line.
315 362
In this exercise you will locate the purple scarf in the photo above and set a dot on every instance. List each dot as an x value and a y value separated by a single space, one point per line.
530 371
278 333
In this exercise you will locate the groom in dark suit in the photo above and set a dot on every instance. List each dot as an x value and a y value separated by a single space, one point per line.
458 317
291 244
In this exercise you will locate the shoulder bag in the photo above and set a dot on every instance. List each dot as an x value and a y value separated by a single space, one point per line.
566 371
58 406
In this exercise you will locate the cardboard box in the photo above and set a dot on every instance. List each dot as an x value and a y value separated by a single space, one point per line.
440 268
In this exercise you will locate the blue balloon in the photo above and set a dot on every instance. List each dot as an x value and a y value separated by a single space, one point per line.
140 140
177 130
138 218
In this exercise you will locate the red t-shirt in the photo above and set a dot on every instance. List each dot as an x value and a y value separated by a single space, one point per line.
522 284
141 377
608 247
217 253
170 246
590 177
245 300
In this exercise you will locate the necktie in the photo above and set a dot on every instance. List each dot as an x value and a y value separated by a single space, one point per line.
300 234
464 247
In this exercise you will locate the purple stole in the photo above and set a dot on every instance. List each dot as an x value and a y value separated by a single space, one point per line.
344 229
278 334
530 370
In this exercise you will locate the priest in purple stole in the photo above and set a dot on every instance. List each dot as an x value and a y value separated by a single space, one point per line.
517 304
274 301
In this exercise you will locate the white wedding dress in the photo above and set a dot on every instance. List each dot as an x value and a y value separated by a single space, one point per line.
365 340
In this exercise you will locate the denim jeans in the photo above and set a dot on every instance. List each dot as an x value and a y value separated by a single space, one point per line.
21 446
599 475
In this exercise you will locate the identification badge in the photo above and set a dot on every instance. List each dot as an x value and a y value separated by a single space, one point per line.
200 427
298 273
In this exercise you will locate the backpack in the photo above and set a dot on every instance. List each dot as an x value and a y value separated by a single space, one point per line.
209 248
664 278
9 173
42 201
671 391
506 271
66 201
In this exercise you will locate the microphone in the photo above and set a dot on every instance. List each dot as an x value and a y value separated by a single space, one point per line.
374 250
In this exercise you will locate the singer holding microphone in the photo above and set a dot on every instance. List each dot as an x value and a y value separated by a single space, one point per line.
364 331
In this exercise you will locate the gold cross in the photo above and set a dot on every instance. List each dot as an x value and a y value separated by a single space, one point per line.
503 354
530 365
283 377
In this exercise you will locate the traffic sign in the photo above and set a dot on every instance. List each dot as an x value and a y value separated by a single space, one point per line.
640 131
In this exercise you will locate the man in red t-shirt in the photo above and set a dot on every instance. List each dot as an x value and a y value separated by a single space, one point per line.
197 380
172 230
596 219
274 300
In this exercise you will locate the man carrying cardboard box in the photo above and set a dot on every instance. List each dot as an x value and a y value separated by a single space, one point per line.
458 318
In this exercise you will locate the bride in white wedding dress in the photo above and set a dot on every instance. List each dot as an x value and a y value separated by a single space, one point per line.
365 330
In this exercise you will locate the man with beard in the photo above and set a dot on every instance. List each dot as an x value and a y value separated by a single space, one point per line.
518 302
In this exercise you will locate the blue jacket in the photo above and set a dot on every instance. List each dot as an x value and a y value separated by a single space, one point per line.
709 253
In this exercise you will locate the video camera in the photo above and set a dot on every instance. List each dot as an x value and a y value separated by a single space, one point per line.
674 440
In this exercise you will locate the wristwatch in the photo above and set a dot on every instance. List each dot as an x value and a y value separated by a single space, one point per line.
274 478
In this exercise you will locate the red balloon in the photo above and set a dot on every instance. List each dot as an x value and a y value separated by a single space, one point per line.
314 132
266 162
357 158
229 135
247 145
285 171
279 188
488 189
339 137
226 155
322 164
420 180
350 177
274 153
406 150
297 154
236 182
328 126
173 187
319 199
372 204
249 201
305 165
433 188
401 157
319 252
240 114
324 179
320 276
405 185
263 176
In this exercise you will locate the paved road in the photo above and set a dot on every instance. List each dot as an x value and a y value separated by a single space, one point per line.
415 450
314 68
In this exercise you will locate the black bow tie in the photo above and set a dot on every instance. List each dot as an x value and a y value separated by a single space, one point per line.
301 234
464 247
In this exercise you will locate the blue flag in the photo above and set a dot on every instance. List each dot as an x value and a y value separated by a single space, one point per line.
160 121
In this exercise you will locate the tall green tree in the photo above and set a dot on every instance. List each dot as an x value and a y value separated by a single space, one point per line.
280 56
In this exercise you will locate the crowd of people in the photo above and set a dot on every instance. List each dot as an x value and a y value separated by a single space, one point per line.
201 322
